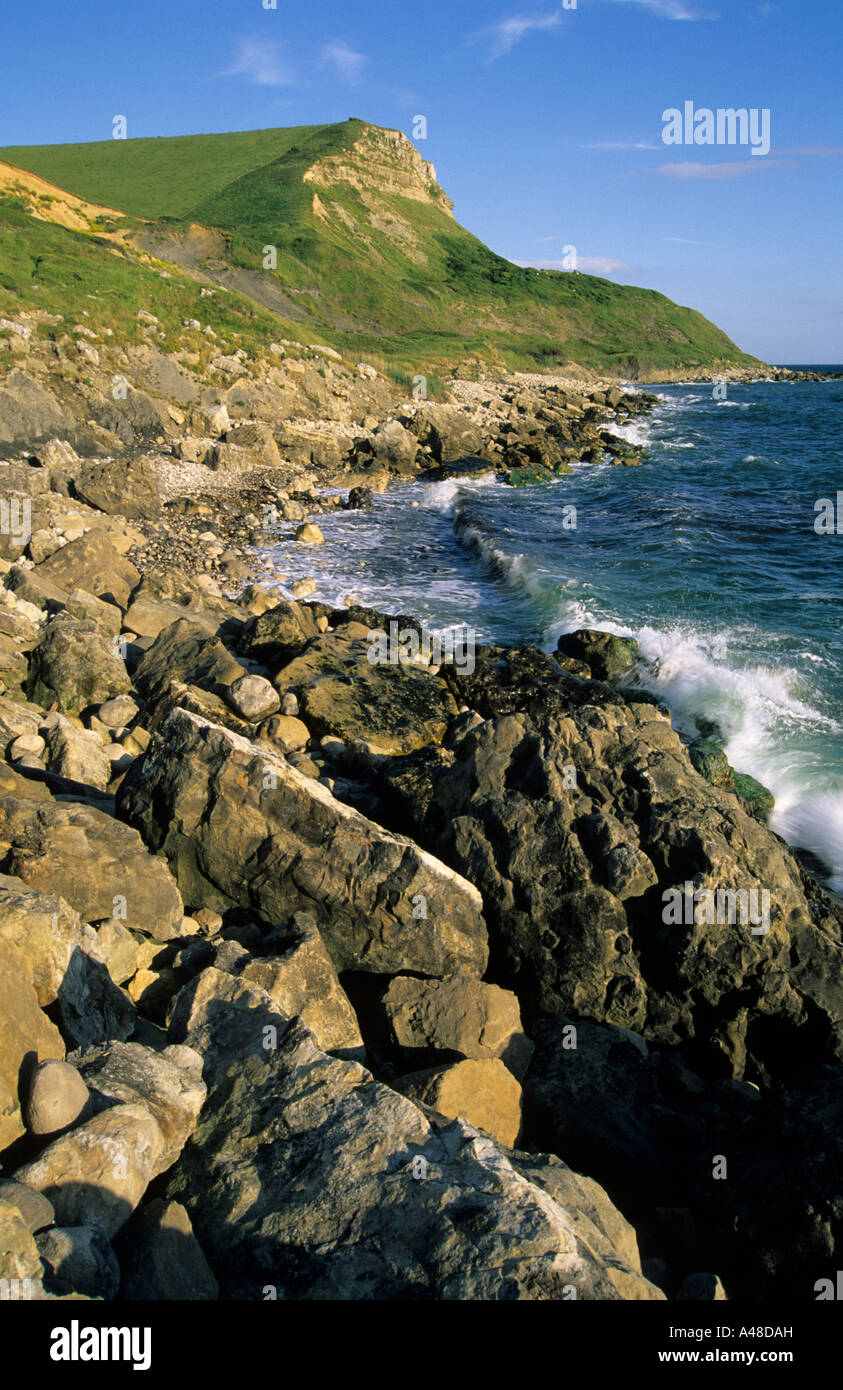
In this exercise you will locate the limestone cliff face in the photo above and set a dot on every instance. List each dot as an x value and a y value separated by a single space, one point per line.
383 162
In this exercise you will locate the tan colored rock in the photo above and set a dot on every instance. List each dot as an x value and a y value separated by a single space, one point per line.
96 1174
20 1263
458 1015
119 950
286 732
26 1036
484 1093
57 1098
309 534
304 983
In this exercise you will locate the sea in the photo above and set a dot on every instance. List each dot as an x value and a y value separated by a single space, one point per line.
709 554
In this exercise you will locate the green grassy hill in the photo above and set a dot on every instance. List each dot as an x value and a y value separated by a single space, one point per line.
368 254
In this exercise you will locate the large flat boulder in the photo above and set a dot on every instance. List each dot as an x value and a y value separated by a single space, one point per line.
240 826
185 651
344 694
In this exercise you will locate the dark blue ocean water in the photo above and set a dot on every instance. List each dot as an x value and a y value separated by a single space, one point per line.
707 554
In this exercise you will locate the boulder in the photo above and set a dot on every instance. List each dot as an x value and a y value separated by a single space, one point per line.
75 665
96 1174
484 1093
125 487
587 831
91 563
27 1037
21 1270
98 865
240 826
254 698
395 448
303 983
279 633
77 755
309 1179
81 604
458 1015
33 1208
605 654
185 652
58 1097
66 962
447 432
309 534
342 693
169 1084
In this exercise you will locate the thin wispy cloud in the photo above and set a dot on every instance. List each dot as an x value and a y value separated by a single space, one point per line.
346 64
501 38
621 145
667 9
260 61
736 169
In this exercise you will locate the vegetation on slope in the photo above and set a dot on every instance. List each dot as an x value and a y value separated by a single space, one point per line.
369 257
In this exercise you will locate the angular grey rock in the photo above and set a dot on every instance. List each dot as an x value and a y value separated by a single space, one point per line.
240 826
168 1083
308 1176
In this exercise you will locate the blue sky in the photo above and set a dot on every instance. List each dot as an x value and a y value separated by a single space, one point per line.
544 123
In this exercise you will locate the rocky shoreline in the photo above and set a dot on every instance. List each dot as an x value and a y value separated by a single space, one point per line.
351 980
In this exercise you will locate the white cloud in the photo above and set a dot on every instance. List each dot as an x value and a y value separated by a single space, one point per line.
715 172
347 64
261 61
667 9
503 36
